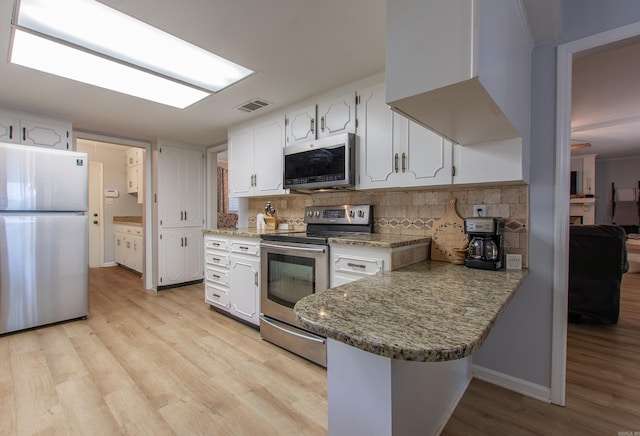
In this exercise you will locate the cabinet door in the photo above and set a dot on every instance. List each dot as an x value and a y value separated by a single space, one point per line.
170 186
44 134
241 163
268 145
378 162
140 182
192 188
170 257
192 255
132 179
301 125
244 291
120 248
135 259
337 115
9 129
426 158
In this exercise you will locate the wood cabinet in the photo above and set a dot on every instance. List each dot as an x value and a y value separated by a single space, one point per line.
232 278
19 128
332 114
179 256
396 152
129 247
255 158
461 67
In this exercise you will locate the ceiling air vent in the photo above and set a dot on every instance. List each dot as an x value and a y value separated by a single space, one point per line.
252 105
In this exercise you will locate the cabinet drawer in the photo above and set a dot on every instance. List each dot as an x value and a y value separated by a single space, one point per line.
213 257
217 296
216 244
217 276
358 265
245 247
128 229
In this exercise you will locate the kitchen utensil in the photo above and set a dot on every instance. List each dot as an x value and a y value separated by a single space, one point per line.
448 235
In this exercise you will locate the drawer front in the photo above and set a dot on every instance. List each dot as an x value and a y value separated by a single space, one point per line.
213 257
217 276
217 296
245 247
216 244
127 229
358 265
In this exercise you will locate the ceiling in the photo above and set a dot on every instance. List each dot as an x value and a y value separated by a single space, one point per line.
298 48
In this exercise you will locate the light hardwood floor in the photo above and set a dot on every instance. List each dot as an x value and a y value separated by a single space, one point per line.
146 363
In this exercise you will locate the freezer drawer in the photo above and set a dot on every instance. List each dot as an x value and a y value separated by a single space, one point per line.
40 179
44 269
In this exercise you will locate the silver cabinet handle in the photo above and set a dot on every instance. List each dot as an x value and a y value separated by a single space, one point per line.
216 259
322 123
243 248
24 133
256 274
181 216
356 265
216 276
185 215
216 295
10 132
313 125
404 160
396 162
309 338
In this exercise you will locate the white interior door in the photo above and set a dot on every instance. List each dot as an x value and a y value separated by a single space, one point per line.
96 228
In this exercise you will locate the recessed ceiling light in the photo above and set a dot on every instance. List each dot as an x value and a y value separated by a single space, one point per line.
111 36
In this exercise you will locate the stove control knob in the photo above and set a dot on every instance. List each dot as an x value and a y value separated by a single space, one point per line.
361 213
352 213
317 213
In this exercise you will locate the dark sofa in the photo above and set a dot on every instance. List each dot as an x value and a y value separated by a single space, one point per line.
597 261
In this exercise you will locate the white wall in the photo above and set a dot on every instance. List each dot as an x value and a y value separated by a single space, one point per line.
520 344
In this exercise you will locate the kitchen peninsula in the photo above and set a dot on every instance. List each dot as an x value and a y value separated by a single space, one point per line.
400 343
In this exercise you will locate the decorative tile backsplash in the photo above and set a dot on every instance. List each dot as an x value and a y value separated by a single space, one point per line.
413 212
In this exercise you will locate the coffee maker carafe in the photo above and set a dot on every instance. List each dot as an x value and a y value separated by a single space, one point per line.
486 247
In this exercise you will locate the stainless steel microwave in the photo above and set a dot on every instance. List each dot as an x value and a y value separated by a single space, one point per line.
325 163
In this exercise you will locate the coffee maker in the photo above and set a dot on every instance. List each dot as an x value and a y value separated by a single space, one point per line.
486 245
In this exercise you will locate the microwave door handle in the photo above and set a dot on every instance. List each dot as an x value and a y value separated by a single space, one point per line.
289 247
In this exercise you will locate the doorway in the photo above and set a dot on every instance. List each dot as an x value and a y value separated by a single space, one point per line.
113 197
566 53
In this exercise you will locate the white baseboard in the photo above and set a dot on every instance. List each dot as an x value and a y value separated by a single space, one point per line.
109 264
538 392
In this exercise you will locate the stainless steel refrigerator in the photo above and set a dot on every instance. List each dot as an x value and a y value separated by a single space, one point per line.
44 247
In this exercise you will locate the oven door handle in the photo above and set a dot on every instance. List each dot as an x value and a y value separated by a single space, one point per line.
291 247
309 338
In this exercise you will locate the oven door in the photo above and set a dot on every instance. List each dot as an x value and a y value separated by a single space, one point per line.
289 272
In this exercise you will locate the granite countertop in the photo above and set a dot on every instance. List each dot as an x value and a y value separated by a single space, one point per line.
427 312
129 220
364 240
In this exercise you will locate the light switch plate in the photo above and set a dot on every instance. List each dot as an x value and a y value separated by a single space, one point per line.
514 261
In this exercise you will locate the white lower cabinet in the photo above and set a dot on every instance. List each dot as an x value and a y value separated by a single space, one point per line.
232 276
128 246
179 256
350 263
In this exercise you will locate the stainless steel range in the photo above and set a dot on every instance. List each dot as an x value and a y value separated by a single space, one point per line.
296 264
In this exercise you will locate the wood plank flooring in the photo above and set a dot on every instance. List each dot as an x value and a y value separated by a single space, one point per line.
146 363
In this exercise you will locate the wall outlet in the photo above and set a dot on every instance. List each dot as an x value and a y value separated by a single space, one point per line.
479 210
514 261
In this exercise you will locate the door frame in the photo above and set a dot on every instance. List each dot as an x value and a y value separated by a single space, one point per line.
148 216
100 165
565 56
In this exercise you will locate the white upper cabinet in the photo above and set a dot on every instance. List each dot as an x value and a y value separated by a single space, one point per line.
255 158
396 152
28 129
333 114
180 187
460 67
